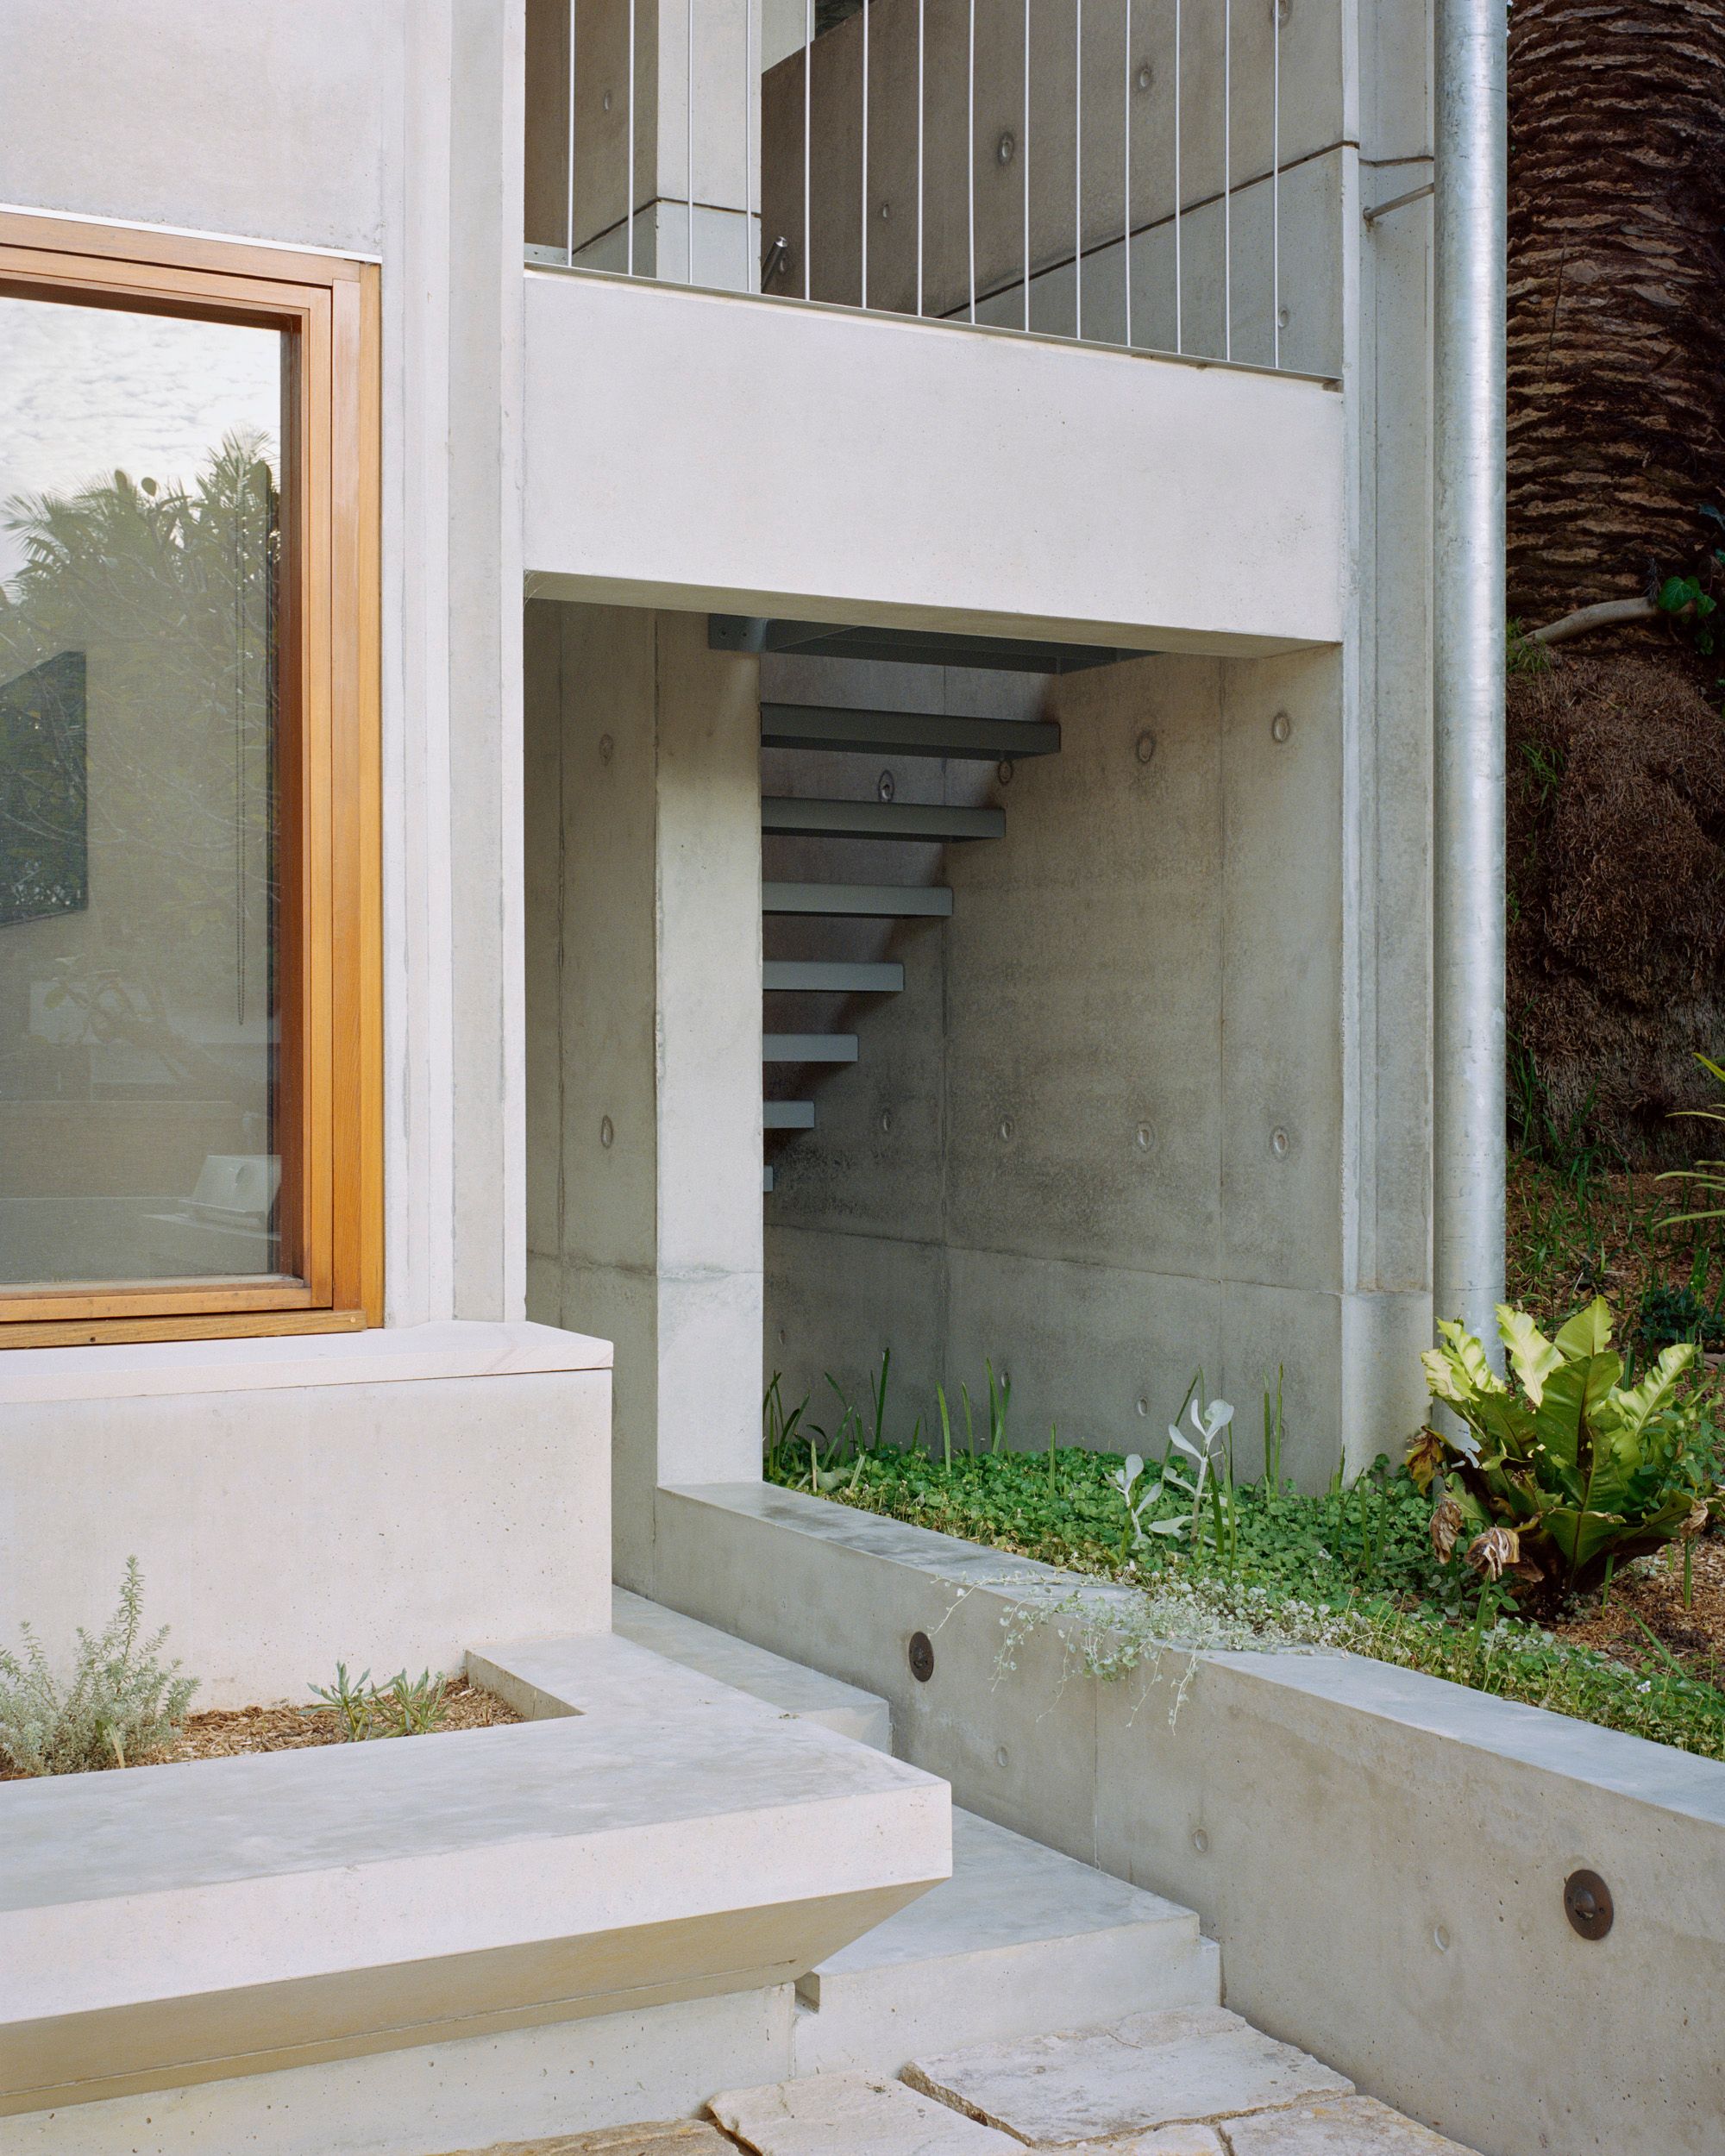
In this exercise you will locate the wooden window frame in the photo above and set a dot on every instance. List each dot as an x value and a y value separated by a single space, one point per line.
330 775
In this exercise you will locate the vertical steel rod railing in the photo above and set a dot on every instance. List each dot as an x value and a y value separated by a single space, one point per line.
922 45
569 227
1140 74
1024 160
628 198
1227 179
865 155
1127 155
751 266
1078 169
970 159
1179 189
1275 183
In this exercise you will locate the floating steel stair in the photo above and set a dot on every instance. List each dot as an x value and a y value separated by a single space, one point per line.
917 820
788 1115
874 732
808 1048
906 647
832 976
862 901
907 733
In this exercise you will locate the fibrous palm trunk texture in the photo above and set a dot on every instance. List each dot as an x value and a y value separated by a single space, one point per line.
1616 295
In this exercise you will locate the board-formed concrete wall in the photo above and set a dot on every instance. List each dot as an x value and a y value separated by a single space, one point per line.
1099 1140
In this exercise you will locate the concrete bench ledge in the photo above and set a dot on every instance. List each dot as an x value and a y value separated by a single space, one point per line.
178 1924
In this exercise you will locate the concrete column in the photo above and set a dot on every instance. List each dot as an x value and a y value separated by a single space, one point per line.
702 150
644 1035
454 1230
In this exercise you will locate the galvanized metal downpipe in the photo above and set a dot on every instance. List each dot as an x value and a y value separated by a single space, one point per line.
1468 1084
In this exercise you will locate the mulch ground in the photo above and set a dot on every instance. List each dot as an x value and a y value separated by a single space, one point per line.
1652 1591
223 1731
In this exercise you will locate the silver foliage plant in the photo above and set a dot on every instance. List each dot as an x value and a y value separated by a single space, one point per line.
120 1704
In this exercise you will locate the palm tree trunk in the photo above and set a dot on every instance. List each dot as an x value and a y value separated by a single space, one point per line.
1616 295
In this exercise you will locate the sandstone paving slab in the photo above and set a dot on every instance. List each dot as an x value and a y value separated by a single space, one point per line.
1341 2126
1154 2069
666 2137
853 2114
1185 2139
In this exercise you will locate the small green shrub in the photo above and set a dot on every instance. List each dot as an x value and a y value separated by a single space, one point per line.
1670 1314
120 1704
1565 1472
401 1706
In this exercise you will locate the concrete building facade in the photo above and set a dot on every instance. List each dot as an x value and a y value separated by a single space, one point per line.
900 657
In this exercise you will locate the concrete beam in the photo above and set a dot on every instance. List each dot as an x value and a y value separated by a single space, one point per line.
1038 489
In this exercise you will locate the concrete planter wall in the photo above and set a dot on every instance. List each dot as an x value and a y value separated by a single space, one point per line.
1382 1855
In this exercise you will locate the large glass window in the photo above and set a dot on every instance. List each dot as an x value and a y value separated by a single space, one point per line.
189 1051
141 534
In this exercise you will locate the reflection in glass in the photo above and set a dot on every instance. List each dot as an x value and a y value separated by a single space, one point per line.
139 555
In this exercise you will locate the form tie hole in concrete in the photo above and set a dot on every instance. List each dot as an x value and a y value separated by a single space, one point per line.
886 213
1145 745
1006 149
1142 1405
1201 1841
1282 317
1002 1757
1004 772
606 746
886 1123
921 1656
1145 78
605 101
1440 1939
1587 1903
884 785
1280 727
1146 1137
1278 1143
1006 1130
606 1132
781 1336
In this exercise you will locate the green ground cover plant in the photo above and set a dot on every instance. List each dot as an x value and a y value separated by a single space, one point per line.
402 1706
1220 1559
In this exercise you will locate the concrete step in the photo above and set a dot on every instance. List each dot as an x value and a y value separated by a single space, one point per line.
1018 1934
769 1677
658 1837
